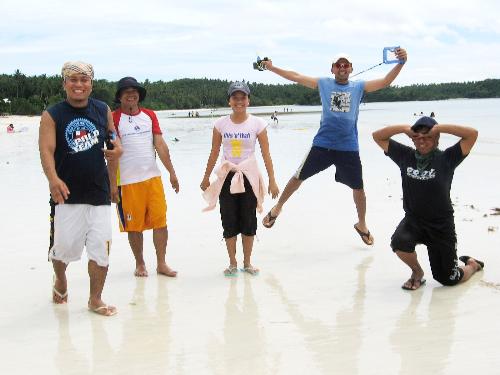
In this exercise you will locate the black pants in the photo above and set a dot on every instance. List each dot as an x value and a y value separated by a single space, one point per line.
441 242
238 211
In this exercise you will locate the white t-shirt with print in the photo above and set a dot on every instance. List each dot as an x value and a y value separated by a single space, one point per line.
138 161
238 140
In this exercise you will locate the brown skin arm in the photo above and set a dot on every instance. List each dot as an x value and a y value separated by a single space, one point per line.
381 83
112 158
290 75
164 155
467 134
212 158
382 136
47 146
268 162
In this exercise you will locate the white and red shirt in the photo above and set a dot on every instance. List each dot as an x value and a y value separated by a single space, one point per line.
138 161
238 140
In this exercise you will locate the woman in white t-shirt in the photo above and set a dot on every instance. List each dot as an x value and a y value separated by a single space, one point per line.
239 185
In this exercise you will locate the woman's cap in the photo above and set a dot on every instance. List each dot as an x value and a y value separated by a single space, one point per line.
238 86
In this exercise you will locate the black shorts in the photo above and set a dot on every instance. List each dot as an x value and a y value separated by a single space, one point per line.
347 163
441 242
238 211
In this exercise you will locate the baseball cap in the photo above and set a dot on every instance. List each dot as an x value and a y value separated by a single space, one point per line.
342 55
424 122
238 86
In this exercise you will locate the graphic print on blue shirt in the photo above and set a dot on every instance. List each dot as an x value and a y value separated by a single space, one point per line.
340 108
340 101
81 135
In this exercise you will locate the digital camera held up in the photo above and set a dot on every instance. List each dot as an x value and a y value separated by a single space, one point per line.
258 65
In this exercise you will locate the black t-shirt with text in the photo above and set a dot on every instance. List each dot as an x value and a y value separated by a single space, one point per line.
426 193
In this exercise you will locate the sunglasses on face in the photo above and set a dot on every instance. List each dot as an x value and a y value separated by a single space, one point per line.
342 65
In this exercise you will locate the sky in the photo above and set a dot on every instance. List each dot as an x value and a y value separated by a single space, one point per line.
446 40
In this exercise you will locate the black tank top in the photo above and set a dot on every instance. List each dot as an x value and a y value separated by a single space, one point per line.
79 158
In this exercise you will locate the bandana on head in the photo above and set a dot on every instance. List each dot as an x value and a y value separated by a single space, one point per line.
77 67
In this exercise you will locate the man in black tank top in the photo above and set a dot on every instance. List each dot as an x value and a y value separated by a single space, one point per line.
71 142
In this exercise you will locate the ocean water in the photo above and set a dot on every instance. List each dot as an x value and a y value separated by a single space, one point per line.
323 300
292 137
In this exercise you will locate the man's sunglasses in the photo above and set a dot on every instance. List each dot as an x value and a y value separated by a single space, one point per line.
342 65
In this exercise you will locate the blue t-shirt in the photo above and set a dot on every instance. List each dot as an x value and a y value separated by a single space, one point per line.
338 127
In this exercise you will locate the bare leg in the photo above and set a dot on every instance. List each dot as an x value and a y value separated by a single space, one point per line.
360 202
410 259
290 188
97 275
135 239
470 269
231 250
160 239
247 242
60 282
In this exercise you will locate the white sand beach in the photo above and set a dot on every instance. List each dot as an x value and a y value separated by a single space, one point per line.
324 303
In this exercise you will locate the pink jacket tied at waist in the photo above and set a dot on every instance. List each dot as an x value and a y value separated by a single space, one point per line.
249 168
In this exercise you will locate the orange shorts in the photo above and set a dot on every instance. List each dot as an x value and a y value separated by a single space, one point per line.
142 206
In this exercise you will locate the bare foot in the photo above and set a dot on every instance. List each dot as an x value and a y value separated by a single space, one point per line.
102 309
163 269
58 296
141 271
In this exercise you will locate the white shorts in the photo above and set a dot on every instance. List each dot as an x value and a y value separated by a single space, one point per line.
79 225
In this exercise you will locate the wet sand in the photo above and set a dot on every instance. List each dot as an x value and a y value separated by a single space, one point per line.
324 303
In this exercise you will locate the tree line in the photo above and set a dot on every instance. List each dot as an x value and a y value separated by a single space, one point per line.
30 95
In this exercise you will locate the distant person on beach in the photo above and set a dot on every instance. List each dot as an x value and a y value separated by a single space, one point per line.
239 186
141 199
10 128
274 117
336 142
432 115
71 142
427 174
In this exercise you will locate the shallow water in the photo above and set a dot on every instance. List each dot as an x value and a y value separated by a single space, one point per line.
324 303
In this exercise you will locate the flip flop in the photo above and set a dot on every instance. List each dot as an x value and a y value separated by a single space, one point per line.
413 283
465 259
231 271
58 294
364 236
251 270
270 220
104 310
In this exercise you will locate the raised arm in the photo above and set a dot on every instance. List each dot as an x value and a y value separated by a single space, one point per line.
301 79
47 146
382 136
381 83
467 134
268 162
212 158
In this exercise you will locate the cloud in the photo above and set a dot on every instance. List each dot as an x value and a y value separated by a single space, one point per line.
219 39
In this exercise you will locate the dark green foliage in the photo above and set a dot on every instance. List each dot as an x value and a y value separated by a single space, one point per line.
31 95
489 88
